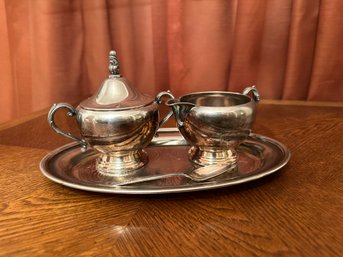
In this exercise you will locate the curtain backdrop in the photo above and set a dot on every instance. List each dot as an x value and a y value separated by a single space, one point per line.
56 50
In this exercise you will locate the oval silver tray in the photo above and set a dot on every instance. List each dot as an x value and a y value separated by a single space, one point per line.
259 156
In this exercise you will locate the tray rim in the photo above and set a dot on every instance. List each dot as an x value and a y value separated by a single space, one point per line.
167 190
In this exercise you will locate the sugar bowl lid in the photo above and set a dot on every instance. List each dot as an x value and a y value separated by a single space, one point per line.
116 93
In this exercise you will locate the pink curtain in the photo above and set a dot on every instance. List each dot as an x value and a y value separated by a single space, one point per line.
56 50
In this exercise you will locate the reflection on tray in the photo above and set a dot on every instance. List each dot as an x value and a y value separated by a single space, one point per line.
258 157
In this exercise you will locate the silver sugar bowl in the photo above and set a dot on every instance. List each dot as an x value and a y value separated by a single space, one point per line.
118 121
214 123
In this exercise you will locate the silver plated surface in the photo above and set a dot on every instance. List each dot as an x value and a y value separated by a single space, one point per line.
215 123
258 156
118 121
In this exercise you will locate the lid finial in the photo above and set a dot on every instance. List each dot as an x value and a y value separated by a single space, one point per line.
113 64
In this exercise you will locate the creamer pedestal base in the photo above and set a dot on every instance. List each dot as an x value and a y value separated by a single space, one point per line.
204 156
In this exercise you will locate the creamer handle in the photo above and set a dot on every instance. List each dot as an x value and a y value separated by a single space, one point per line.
159 101
255 93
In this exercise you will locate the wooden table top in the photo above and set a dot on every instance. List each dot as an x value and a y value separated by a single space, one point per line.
294 212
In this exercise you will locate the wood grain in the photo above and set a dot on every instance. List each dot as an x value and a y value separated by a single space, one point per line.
295 212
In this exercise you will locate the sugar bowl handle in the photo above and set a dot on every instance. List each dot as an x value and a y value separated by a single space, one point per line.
255 93
159 101
71 112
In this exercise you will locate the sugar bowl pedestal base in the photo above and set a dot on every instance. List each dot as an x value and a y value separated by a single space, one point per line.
121 163
203 156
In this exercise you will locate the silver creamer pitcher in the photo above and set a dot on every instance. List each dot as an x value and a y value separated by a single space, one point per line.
118 122
215 123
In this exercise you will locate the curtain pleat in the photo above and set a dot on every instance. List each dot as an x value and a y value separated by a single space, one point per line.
301 47
19 47
326 82
7 101
247 44
53 50
274 48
